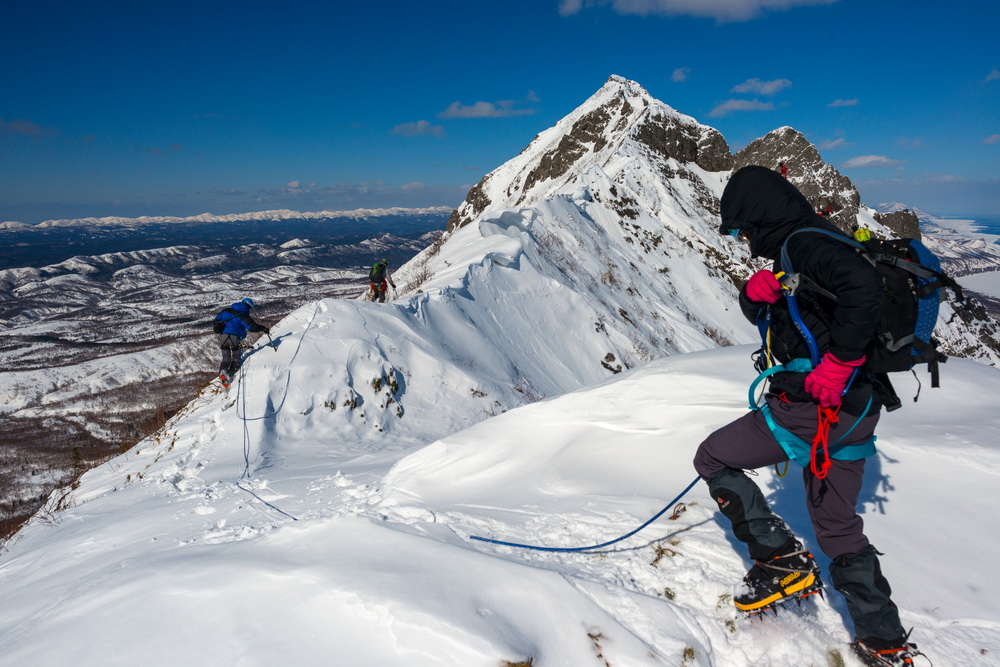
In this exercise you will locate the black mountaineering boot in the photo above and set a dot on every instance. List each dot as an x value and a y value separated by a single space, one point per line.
790 576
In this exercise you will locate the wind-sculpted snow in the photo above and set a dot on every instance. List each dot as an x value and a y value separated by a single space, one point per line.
348 533
544 375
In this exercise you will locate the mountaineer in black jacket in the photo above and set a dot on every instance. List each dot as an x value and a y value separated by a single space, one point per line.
763 209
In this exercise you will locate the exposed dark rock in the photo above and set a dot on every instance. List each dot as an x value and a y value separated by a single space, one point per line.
821 184
475 203
587 134
713 151
666 138
903 223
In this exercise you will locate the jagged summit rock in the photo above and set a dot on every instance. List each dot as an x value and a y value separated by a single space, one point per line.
622 121
821 183
903 222
623 173
619 122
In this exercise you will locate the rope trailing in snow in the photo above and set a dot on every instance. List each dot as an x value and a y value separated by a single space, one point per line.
241 396
596 546
241 399
274 507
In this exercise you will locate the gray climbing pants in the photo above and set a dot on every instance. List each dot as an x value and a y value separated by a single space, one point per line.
747 444
230 347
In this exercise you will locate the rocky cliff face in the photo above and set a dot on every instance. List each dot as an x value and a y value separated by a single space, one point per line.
903 223
821 184
625 171
623 113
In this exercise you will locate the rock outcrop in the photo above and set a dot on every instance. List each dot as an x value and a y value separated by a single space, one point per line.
821 184
904 223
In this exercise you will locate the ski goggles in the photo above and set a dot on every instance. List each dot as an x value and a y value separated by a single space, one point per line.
740 235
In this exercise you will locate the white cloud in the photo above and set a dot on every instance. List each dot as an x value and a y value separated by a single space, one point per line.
720 10
871 161
945 178
740 105
762 87
25 127
993 75
570 7
907 142
992 139
419 129
680 74
835 144
500 109
853 102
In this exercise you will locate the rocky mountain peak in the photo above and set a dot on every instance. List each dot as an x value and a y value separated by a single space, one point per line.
821 184
620 121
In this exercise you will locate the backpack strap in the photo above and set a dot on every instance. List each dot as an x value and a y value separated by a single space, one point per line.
792 282
786 262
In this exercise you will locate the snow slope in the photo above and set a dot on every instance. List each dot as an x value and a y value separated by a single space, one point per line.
545 379
346 541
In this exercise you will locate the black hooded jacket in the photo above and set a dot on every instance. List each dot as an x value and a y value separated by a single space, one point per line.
768 209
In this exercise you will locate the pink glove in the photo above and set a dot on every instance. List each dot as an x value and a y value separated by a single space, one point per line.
763 286
829 379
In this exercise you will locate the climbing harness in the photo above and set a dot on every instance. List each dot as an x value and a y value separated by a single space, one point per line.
805 454
797 449
595 546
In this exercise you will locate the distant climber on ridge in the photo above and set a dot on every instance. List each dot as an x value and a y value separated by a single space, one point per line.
784 169
232 325
835 399
378 277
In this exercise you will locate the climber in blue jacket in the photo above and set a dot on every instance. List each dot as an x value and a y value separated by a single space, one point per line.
232 325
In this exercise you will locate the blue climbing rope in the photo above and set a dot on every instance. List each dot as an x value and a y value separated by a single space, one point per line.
241 394
596 546
274 507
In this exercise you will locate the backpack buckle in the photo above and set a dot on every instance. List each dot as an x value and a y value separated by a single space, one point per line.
790 282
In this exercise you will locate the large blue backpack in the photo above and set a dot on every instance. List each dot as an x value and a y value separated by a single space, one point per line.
222 319
912 282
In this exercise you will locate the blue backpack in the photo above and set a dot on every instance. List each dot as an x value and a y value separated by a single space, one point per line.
912 282
222 319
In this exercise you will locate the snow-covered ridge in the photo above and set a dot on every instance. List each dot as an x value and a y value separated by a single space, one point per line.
619 124
334 489
276 215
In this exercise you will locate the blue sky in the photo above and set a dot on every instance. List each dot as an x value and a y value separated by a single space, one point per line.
115 108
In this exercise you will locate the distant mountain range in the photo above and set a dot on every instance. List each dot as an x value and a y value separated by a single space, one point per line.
98 349
263 216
